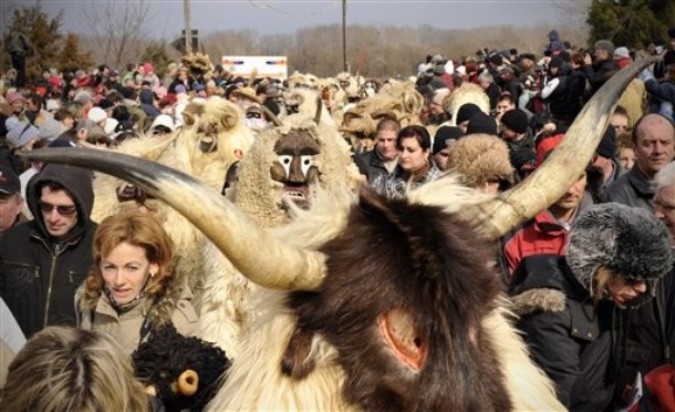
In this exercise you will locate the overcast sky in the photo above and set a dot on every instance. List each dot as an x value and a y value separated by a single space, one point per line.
284 16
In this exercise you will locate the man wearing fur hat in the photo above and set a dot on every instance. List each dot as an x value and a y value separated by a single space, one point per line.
615 257
482 161
654 146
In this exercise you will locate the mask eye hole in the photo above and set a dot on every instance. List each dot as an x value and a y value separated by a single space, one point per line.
305 163
285 162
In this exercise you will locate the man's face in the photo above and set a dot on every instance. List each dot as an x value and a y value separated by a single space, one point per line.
441 158
655 145
571 199
664 209
601 55
385 143
17 107
10 208
59 212
506 133
504 106
31 107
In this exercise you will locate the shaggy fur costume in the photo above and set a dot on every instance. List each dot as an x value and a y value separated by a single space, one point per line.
466 93
181 152
479 157
629 241
223 310
257 381
166 354
398 100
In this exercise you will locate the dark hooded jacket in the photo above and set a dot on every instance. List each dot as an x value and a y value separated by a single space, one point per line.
39 274
564 92
569 338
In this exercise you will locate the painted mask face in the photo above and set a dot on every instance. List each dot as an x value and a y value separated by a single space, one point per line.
294 167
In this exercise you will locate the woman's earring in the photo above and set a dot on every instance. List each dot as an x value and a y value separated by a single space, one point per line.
152 275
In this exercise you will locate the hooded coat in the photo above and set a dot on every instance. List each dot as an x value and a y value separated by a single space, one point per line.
39 274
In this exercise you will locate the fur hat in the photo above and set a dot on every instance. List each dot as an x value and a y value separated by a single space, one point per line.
515 120
629 241
480 157
606 45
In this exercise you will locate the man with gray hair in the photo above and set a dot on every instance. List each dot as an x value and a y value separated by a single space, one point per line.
654 146
599 69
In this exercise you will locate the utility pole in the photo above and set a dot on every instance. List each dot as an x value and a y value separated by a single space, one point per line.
344 35
188 28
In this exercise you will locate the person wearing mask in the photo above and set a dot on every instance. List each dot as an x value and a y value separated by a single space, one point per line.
43 261
415 166
131 289
615 257
383 158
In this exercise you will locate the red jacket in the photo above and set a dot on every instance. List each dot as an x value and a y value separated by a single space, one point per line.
540 237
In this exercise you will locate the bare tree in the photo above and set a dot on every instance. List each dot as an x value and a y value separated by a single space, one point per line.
117 27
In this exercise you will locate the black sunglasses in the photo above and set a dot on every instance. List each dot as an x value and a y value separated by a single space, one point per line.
253 115
47 207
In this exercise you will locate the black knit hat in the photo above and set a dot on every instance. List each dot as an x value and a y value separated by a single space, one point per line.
481 123
607 146
443 134
629 241
515 120
466 111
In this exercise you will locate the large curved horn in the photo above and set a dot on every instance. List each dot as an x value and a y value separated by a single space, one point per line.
254 252
563 167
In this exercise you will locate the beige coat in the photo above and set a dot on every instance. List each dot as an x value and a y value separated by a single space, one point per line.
126 327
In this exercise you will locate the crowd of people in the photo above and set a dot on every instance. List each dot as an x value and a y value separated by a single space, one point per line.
590 278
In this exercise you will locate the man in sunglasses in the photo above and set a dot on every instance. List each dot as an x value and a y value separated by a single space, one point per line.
43 261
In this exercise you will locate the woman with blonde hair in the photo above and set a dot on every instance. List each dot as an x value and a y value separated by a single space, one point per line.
66 369
131 289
